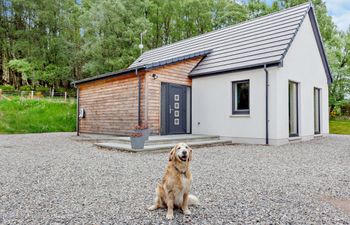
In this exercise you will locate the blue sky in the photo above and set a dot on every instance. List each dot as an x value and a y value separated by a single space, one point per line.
339 10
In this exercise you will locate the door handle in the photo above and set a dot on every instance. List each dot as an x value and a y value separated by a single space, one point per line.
170 109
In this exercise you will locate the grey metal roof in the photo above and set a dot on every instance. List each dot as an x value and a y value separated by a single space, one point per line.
260 41
176 59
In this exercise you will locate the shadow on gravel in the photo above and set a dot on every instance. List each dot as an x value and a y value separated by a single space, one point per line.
339 203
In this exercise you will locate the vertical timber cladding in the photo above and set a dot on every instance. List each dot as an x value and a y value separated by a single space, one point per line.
176 73
111 105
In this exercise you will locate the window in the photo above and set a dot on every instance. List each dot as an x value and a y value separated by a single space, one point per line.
317 110
293 109
240 97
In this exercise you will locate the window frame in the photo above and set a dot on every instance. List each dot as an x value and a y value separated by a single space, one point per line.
318 90
236 111
297 86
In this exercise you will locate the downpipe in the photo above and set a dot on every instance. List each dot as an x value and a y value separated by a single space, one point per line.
266 105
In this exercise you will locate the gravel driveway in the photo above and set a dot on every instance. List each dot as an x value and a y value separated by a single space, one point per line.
52 179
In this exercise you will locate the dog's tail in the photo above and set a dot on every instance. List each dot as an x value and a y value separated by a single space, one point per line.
193 200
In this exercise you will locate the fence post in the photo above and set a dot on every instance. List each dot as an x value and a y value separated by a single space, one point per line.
0 93
65 96
32 95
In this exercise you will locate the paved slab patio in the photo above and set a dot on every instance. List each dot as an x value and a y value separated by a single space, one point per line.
54 179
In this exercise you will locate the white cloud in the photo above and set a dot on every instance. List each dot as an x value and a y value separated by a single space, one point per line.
340 11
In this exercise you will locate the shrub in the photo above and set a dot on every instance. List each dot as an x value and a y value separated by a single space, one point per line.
42 89
345 109
26 88
136 135
39 94
71 92
7 87
333 114
141 127
60 90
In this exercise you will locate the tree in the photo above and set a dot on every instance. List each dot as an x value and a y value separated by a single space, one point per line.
52 42
339 59
111 30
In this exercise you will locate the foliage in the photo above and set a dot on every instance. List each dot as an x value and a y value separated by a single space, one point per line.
339 127
135 134
50 43
34 116
345 109
7 87
42 89
141 127
26 88
21 66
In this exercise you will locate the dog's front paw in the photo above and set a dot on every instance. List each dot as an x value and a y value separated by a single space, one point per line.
187 212
170 216
153 207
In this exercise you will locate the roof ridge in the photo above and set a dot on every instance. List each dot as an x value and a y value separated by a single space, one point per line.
232 26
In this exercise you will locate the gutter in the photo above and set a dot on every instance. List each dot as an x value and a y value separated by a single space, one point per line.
139 98
266 105
108 75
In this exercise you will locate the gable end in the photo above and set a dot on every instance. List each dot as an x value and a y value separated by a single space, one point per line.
320 46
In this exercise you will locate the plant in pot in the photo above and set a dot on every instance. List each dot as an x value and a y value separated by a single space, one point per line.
143 129
137 140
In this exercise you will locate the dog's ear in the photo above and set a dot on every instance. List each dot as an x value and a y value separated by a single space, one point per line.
172 153
190 156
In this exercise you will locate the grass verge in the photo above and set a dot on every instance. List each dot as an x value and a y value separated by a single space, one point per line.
36 116
339 126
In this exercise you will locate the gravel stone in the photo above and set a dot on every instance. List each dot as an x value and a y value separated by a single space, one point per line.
54 179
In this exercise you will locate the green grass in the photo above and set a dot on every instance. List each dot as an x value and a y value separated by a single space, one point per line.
36 116
339 126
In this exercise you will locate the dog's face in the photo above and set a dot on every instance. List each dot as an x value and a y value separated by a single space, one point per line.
181 152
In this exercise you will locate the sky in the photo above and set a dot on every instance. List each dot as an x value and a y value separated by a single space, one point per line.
338 9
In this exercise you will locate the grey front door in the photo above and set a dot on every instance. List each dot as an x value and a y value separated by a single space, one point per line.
174 108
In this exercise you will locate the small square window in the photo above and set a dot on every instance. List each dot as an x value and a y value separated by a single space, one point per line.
240 97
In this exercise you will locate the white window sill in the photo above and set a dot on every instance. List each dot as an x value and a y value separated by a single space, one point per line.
294 138
318 135
240 115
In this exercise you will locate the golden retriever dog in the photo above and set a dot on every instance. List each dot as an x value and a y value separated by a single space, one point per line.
174 189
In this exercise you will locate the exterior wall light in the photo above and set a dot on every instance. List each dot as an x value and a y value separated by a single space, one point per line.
154 76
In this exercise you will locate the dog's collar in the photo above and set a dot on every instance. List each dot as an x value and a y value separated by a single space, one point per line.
182 172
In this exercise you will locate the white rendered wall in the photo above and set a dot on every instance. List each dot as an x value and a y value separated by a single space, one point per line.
302 64
212 106
212 103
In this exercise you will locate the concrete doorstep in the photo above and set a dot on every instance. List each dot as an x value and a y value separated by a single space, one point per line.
155 142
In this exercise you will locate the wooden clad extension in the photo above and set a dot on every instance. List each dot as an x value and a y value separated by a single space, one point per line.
175 73
111 104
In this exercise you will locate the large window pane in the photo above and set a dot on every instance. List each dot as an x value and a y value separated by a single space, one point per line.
317 112
293 109
243 96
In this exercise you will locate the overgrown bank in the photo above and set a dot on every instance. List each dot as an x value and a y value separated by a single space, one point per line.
36 116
